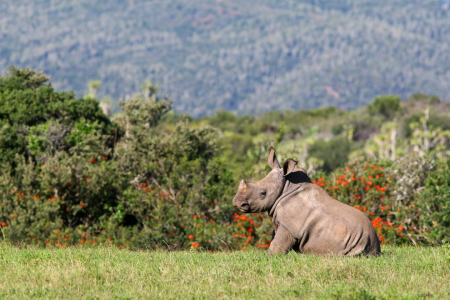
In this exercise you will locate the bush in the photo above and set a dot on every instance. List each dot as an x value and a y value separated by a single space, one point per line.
434 204
334 153
72 185
387 106
406 203
368 187
21 90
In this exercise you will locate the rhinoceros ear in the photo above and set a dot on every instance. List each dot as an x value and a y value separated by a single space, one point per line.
273 161
289 166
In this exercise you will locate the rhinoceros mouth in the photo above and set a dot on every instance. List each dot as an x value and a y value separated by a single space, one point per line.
245 207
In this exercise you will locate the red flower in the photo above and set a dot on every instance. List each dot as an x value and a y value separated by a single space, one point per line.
263 246
243 217
377 222
195 217
190 236
92 160
4 224
195 245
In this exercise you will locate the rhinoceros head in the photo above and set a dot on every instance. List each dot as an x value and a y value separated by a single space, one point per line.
261 195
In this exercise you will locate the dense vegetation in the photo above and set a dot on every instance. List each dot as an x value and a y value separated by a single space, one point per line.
149 178
109 273
246 56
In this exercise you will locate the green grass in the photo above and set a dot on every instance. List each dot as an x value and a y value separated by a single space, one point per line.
110 273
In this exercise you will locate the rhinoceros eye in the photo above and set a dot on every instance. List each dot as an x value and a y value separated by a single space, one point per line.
262 193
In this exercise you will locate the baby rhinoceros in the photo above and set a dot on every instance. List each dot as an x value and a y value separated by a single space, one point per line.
305 217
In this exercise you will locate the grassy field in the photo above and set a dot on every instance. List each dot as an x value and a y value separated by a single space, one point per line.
110 273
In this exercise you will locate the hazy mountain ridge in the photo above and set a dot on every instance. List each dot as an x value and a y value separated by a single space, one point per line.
249 57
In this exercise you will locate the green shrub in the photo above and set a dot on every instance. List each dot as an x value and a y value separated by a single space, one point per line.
29 107
334 152
140 191
387 106
434 205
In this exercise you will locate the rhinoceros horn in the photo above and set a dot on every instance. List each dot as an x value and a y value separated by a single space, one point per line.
243 185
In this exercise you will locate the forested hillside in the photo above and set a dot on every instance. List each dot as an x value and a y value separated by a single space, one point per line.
245 56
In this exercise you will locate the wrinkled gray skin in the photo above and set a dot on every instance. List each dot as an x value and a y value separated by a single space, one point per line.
305 217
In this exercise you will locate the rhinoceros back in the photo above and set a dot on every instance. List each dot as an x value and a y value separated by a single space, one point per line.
323 225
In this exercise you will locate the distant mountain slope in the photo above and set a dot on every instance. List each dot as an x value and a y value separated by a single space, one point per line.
249 56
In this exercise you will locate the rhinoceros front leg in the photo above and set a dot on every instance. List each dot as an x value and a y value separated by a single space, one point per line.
283 241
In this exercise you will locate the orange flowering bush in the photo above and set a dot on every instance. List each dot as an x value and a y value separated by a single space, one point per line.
367 188
245 231
252 230
374 189
77 182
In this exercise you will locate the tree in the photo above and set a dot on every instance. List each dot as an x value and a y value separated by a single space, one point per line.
334 153
26 101
387 105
